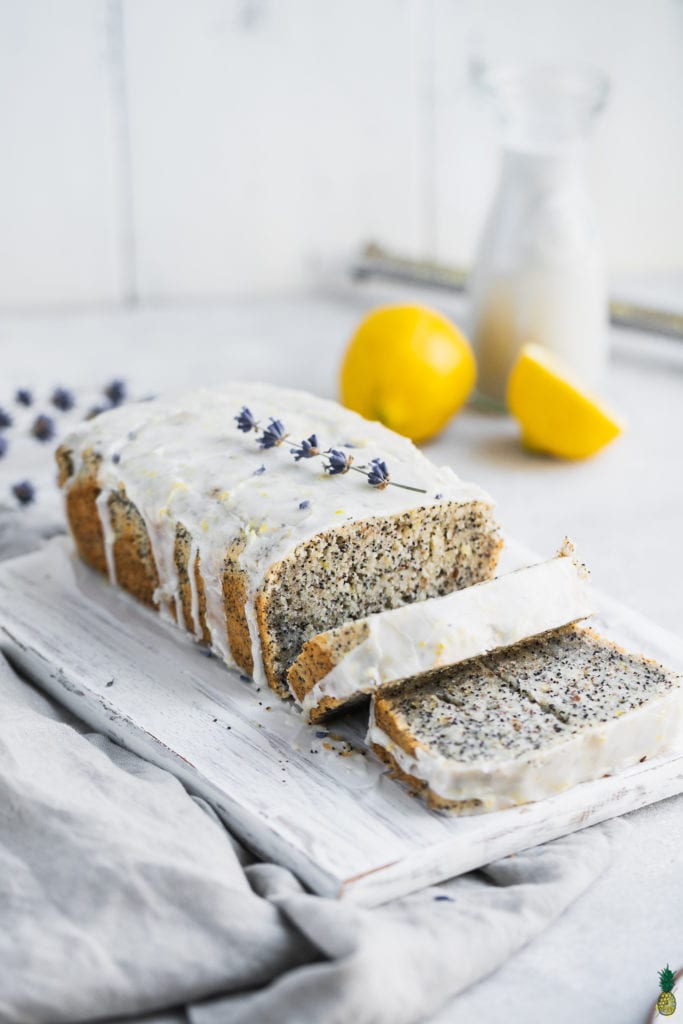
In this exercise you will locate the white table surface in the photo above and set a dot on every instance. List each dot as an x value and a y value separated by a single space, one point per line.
624 510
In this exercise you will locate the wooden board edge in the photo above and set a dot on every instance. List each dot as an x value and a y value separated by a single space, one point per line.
532 825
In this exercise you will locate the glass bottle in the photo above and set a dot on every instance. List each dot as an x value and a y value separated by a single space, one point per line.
539 272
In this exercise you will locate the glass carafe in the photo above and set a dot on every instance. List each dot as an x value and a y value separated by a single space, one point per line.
539 272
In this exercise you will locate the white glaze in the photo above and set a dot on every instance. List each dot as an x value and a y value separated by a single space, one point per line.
415 638
102 502
185 461
194 590
593 750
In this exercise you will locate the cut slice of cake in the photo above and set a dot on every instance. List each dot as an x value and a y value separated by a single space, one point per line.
508 728
339 667
580 676
225 511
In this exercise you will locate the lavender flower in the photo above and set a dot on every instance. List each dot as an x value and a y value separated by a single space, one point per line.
304 504
24 492
23 397
115 391
378 474
43 428
246 421
259 472
337 462
3 446
5 419
308 449
62 399
273 435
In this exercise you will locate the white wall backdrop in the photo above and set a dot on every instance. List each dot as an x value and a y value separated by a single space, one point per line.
160 149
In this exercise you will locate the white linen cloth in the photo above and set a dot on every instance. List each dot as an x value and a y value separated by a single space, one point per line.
122 894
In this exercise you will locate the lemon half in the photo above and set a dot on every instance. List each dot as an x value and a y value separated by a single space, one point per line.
557 415
408 367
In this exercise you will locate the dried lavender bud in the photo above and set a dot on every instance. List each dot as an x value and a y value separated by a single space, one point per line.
273 435
43 428
245 420
23 397
308 449
96 410
259 472
115 391
63 399
24 492
378 474
337 462
3 446
116 458
304 504
5 419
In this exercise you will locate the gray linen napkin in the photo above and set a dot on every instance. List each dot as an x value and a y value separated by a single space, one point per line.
122 894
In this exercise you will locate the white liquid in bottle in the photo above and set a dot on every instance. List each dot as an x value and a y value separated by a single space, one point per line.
539 274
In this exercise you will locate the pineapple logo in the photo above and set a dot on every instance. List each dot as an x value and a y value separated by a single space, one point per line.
666 1004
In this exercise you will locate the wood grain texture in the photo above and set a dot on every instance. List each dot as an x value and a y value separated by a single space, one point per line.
288 792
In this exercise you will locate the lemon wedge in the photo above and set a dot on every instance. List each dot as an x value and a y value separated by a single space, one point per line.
557 415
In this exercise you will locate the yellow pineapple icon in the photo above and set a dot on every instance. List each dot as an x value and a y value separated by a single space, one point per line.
666 1004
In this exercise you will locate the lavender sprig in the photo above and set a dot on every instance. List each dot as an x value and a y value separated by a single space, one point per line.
308 449
336 461
378 474
245 420
273 435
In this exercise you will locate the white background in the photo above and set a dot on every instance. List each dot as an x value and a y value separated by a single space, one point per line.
167 149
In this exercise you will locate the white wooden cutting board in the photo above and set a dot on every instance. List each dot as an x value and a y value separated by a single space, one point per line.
289 791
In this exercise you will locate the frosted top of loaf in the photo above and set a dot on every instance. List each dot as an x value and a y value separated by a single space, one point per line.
184 460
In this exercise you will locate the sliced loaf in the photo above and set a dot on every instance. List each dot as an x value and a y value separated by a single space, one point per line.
507 729
339 667
252 551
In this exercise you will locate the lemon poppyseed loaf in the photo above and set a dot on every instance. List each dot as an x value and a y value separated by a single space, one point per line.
341 666
528 722
225 520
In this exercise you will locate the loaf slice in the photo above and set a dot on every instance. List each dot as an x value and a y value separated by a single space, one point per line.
250 550
467 739
341 666
581 677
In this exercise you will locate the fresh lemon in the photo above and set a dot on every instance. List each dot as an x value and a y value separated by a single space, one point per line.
556 414
408 367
